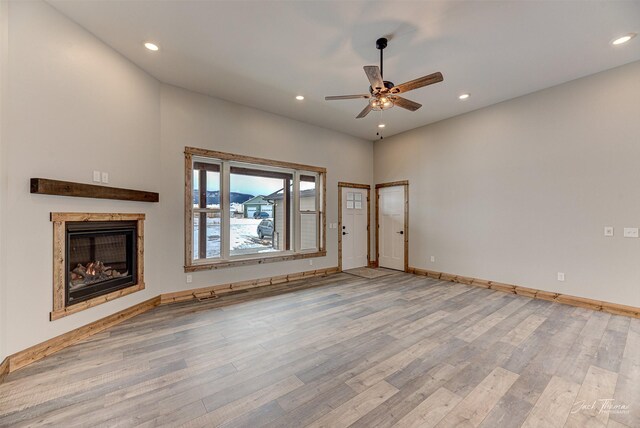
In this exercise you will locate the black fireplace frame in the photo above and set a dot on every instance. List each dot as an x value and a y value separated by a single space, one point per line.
97 228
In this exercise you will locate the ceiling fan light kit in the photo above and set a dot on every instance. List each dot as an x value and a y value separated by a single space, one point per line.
381 103
382 93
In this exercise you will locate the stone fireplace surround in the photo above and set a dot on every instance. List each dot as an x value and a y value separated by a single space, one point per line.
60 306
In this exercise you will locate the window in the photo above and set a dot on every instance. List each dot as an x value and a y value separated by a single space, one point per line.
244 210
206 210
252 190
309 213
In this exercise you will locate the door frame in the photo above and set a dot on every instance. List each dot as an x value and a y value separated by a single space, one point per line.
379 186
342 184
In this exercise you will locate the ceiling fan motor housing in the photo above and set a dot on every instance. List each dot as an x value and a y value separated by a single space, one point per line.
381 43
387 85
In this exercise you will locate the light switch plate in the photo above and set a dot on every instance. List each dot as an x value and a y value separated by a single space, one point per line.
433 259
96 176
630 232
608 231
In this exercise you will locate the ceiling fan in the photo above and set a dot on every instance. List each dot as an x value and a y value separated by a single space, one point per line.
382 93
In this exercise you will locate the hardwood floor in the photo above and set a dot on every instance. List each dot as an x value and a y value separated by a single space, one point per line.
400 350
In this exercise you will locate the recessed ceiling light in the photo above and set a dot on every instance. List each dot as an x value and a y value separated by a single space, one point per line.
299 97
464 96
151 46
381 125
623 39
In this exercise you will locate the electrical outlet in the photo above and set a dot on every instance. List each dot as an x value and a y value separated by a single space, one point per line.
630 232
310 262
433 259
608 231
189 279
560 276
96 176
105 177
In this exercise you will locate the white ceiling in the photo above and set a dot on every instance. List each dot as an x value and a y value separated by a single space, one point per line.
263 53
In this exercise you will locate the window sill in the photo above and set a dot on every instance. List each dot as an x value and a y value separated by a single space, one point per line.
253 261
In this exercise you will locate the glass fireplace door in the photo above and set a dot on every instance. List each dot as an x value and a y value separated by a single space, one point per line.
101 258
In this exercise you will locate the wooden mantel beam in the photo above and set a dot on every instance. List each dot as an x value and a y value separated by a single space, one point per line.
44 186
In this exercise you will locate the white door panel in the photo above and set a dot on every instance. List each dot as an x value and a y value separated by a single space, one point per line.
392 228
354 228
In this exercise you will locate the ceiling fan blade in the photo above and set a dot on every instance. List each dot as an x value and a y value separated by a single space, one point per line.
364 112
405 103
374 76
417 83
347 97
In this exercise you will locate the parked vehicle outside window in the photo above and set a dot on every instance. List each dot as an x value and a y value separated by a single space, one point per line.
265 229
261 214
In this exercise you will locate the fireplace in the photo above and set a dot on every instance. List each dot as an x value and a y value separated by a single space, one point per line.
96 258
101 258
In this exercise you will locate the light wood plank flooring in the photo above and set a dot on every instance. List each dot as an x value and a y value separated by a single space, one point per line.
400 350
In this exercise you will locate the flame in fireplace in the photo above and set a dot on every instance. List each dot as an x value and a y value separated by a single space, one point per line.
91 268
93 272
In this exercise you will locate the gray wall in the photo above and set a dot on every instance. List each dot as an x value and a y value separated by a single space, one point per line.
74 105
191 119
4 41
522 190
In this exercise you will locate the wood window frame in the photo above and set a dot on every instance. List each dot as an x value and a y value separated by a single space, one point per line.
225 158
379 186
367 187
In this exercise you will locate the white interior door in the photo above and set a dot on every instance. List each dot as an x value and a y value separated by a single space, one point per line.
391 227
354 228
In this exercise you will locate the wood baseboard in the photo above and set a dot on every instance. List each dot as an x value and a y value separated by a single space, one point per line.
25 357
219 290
583 302
4 369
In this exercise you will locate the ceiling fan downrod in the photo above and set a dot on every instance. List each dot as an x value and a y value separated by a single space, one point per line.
381 43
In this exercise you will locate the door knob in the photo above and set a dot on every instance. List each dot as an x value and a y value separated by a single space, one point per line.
345 233
401 232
